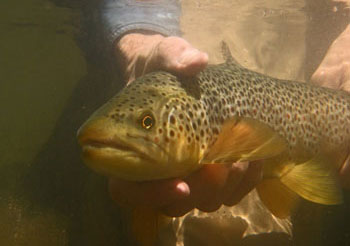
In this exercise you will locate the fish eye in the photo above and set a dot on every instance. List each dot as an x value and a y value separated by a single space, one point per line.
147 122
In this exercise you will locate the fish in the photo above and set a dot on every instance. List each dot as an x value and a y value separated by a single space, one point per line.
164 126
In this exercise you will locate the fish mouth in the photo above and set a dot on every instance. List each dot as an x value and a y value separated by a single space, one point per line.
99 148
102 144
114 147
119 153
118 159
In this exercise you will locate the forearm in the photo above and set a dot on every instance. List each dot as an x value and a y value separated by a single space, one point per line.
123 16
142 35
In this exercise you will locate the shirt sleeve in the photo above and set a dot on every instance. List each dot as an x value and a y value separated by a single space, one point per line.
121 16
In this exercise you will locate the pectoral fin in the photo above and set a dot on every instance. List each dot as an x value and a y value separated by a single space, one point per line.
244 139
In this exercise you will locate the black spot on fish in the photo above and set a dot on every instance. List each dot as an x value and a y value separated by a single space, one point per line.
172 119
189 139
181 128
194 125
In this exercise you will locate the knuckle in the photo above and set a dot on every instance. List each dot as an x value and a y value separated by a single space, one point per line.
239 168
209 207
176 211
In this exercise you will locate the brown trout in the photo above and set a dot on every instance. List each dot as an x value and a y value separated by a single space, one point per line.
165 126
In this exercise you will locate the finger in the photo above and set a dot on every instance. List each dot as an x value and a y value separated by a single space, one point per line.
191 62
205 191
252 177
235 177
176 55
207 185
179 208
151 193
346 77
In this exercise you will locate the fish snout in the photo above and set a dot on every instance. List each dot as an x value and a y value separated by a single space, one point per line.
96 131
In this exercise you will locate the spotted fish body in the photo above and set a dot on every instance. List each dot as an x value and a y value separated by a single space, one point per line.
301 113
164 126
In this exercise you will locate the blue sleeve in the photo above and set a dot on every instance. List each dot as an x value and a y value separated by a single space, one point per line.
121 16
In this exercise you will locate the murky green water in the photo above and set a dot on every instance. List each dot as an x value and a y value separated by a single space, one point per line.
50 82
47 197
40 65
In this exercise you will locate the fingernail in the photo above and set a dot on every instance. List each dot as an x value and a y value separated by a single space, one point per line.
183 188
243 166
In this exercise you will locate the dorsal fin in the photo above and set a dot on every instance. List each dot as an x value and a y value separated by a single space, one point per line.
227 55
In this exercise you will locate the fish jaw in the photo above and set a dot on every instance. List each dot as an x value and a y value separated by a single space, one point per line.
109 150
116 152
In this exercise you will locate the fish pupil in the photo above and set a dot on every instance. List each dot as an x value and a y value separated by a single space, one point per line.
147 122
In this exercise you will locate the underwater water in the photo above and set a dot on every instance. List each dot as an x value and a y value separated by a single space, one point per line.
53 78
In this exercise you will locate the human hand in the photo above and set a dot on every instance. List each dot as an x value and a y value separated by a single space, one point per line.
207 189
139 54
334 72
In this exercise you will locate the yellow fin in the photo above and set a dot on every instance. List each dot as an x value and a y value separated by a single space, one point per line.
145 225
277 197
314 180
244 139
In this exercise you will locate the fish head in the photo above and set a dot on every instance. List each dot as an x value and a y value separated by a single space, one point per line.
142 133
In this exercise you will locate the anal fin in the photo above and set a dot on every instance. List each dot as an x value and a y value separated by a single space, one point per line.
279 199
